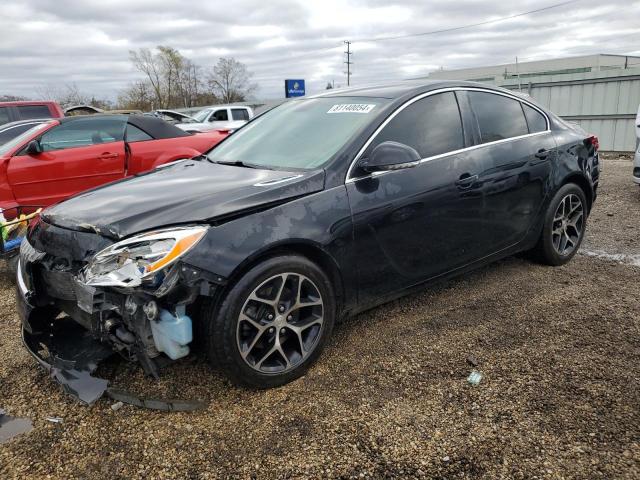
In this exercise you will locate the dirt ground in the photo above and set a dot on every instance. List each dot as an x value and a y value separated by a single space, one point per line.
559 350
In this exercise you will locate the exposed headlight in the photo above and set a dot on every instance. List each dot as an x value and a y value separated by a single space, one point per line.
129 262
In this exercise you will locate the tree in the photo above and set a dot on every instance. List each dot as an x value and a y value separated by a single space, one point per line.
329 86
174 80
230 81
146 62
137 96
12 98
68 95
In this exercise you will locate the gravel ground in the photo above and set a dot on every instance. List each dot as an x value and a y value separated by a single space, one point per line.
559 350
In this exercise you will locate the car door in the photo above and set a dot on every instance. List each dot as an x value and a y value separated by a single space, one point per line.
417 223
515 137
219 116
240 114
77 155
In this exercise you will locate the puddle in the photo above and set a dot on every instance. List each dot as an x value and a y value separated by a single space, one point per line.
11 427
629 259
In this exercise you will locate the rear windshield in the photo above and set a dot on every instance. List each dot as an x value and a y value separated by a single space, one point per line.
300 134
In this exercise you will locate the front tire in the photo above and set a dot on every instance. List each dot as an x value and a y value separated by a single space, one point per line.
273 323
564 226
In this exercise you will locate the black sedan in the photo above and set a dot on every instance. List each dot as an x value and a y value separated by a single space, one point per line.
317 210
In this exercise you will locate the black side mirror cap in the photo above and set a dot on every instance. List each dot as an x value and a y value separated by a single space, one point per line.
390 156
34 148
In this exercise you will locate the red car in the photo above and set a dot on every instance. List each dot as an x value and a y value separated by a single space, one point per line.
14 111
59 158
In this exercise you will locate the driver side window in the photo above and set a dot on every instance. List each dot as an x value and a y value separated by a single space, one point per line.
431 125
219 116
82 133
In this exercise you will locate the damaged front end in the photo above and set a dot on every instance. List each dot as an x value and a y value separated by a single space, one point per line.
130 297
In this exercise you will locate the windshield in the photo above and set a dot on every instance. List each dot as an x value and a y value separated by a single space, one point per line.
202 115
11 144
300 134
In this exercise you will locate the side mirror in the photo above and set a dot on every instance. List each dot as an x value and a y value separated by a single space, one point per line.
34 148
390 156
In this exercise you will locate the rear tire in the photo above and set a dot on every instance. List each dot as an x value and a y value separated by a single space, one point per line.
272 324
564 226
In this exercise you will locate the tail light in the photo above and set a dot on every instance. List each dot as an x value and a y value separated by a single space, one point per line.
594 142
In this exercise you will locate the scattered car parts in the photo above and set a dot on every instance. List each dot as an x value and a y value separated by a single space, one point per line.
11 427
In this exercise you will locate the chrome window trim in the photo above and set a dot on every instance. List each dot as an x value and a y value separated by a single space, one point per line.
350 179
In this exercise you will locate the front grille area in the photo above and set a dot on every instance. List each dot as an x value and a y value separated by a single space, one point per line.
58 284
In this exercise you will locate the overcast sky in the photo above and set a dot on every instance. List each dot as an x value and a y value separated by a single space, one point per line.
53 42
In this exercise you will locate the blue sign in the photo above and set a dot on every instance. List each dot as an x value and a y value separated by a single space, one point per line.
293 88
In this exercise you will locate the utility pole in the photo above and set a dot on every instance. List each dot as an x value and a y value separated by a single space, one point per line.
348 62
518 74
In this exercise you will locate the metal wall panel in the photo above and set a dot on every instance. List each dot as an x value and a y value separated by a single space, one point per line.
606 106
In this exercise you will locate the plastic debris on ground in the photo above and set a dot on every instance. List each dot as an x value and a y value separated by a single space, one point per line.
474 378
473 360
11 427
167 405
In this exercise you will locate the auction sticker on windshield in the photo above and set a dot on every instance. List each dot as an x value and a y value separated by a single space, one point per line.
351 108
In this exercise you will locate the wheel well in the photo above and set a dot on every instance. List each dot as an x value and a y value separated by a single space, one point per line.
583 183
311 252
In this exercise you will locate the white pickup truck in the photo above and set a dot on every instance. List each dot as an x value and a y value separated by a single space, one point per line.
220 117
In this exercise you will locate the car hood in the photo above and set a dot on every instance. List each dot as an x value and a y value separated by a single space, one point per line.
186 192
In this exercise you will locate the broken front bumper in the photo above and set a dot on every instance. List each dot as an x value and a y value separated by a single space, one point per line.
64 348
70 327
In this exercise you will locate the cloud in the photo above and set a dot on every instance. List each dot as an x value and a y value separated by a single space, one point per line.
87 43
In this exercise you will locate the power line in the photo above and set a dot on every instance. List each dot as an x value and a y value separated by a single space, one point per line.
471 25
422 34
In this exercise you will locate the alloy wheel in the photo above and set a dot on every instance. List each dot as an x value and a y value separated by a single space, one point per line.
280 323
568 224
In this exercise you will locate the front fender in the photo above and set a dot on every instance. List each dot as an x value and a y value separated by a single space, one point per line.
321 220
172 156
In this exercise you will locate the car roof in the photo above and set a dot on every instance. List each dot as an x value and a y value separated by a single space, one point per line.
400 89
154 126
27 102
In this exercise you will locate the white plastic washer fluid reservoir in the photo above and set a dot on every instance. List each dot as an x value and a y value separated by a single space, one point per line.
172 333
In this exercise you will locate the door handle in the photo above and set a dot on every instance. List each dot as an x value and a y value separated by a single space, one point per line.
466 180
542 154
107 155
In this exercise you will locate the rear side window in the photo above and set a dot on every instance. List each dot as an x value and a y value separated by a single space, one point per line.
536 121
28 112
134 134
82 133
13 132
219 116
499 117
240 114
431 125
4 115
